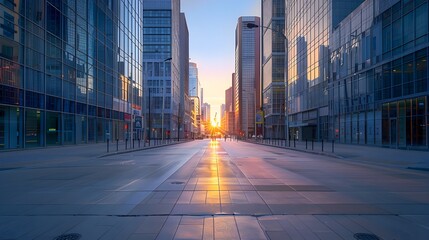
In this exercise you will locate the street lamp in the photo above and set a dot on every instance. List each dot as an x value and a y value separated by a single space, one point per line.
163 101
252 25
150 130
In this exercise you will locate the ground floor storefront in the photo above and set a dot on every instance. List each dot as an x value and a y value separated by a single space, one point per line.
27 127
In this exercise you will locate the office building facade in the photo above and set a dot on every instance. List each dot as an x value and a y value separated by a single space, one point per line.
161 67
247 76
194 85
69 72
379 91
229 113
273 68
309 26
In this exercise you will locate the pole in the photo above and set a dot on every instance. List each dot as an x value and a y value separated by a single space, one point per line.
163 106
150 125
132 101
178 124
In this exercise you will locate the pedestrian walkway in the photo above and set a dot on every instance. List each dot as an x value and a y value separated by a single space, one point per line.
211 190
31 156
411 159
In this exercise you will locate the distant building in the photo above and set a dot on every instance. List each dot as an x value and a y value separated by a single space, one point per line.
194 85
229 113
247 79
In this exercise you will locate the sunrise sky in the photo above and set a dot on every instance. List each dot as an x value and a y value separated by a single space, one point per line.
211 26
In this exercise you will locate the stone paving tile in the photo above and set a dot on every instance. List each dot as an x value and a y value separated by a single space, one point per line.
124 198
225 228
185 197
199 197
170 227
249 228
295 209
270 188
142 236
151 209
208 233
245 209
189 232
280 235
196 209
406 209
151 224
275 197
330 197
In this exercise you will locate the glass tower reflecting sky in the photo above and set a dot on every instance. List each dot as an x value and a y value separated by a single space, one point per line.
247 79
69 71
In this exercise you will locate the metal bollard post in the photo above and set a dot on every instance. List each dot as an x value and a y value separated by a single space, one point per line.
139 142
294 142
312 144
333 145
126 143
107 145
322 145
289 141
117 144
306 141
133 142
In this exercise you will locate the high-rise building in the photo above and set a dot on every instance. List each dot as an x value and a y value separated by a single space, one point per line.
194 85
273 68
185 109
70 72
247 79
309 27
379 93
193 79
162 69
229 113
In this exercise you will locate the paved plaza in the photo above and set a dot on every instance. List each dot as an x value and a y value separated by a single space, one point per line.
214 190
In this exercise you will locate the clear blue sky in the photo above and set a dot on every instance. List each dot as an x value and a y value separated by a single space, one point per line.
212 26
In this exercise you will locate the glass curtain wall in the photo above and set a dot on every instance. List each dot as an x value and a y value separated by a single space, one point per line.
68 71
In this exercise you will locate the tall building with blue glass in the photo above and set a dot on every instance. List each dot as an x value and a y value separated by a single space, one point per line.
162 70
70 71
379 90
273 67
309 26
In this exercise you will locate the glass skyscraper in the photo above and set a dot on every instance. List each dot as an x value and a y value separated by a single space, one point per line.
273 67
247 80
162 70
70 71
379 91
309 24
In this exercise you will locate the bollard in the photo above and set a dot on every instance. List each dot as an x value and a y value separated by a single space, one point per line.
133 142
294 142
306 141
289 141
333 145
322 145
107 145
117 144
312 144
139 142
126 143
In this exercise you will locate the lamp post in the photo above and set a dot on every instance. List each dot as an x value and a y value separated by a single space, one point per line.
132 102
163 101
252 25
